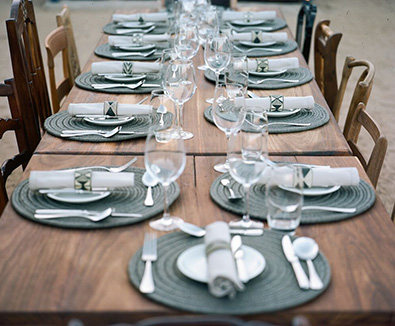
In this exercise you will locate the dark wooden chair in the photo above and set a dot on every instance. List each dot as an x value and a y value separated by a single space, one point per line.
56 43
27 63
304 27
372 166
325 50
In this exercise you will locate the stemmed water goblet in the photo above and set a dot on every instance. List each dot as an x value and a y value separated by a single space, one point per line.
186 42
208 23
236 73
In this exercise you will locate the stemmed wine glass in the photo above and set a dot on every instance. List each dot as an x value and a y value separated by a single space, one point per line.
208 23
180 84
165 161
236 73
186 42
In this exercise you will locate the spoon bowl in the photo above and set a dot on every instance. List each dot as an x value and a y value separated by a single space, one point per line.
232 196
149 181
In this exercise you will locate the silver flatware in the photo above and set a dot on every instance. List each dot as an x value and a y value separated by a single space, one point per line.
256 49
289 253
94 216
126 54
149 255
143 100
249 28
197 231
134 30
76 132
258 82
149 182
296 124
232 196
330 209
162 110
105 134
238 254
114 169
131 86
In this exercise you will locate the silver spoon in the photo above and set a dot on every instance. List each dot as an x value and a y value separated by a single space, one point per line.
149 182
197 231
232 196
162 110
307 249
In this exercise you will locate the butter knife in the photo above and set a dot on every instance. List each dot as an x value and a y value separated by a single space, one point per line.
238 253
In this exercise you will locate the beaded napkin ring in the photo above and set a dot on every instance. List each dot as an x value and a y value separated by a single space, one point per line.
110 108
83 180
276 103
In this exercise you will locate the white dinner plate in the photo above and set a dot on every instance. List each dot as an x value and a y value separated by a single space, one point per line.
136 24
281 114
78 198
109 122
246 23
267 73
137 47
124 79
314 191
255 45
193 264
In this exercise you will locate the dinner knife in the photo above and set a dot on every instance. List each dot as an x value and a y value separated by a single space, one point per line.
149 255
289 252
45 213
238 253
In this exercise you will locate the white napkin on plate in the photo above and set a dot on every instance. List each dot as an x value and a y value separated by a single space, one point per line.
264 37
118 67
66 179
155 16
275 64
259 15
223 279
290 102
124 109
146 39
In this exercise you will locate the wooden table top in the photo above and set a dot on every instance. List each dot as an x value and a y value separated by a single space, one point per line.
51 274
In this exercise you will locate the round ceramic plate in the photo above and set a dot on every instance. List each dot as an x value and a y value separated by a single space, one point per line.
281 114
124 79
267 73
137 47
193 264
254 45
246 23
78 197
136 24
109 122
314 191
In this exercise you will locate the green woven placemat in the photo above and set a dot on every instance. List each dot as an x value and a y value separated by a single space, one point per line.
111 29
317 117
127 200
303 75
105 51
86 79
275 289
274 24
60 121
362 197
286 47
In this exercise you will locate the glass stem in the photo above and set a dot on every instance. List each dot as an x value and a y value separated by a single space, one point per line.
166 214
217 73
246 217
179 115
227 152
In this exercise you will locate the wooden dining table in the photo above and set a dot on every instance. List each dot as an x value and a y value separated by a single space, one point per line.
52 276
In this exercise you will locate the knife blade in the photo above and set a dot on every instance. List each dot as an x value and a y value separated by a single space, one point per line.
238 254
289 253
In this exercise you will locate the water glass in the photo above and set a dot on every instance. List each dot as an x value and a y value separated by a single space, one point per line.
236 73
217 53
166 57
186 42
163 114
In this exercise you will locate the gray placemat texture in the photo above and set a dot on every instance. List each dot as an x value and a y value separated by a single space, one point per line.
362 197
317 117
127 200
303 75
285 48
273 290
275 25
105 51
60 121
86 79
110 28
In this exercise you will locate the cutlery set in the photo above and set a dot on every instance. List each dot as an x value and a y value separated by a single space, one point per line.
102 133
126 54
141 83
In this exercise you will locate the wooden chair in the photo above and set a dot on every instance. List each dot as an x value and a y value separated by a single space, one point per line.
63 19
306 18
55 43
325 49
361 118
361 92
27 64
14 124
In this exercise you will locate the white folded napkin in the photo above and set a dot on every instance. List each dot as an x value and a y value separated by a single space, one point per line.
259 37
223 279
274 64
290 103
118 67
123 109
155 16
259 15
146 39
67 179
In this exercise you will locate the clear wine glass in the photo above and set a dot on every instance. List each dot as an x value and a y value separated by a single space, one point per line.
180 84
228 111
165 161
247 151
236 73
166 57
208 23
163 114
186 42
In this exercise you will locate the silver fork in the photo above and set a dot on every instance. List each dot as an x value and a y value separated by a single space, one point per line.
114 169
126 54
258 82
149 255
249 29
92 132
131 86
256 49
135 30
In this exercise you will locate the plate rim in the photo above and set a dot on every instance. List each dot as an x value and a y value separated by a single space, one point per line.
126 47
329 190
99 196
251 23
267 73
283 114
110 122
252 44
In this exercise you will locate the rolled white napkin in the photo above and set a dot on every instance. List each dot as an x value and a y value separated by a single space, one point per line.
66 179
290 103
259 15
263 37
126 40
124 109
155 16
275 64
223 279
118 67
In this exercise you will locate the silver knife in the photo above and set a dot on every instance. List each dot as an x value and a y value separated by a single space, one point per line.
68 212
149 255
238 253
289 252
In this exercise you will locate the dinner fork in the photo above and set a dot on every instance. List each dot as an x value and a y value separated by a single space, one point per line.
258 82
131 86
114 169
126 54
249 28
135 30
104 134
94 216
256 49
149 255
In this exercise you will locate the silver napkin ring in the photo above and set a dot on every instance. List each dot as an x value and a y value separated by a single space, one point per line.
256 37
262 65
110 108
127 68
276 103
83 180
137 38
247 16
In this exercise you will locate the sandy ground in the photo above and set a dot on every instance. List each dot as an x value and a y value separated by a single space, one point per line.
367 27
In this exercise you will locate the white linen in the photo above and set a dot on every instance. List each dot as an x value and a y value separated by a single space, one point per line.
124 109
266 37
116 67
259 15
155 16
275 64
290 103
146 39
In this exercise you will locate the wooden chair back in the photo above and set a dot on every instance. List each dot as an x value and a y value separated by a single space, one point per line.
361 118
27 64
63 19
361 92
325 50
55 43
304 26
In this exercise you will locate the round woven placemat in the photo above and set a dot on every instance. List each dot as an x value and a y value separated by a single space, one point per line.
111 29
105 51
128 200
303 75
275 24
275 289
362 197
317 117
285 48
86 79
60 121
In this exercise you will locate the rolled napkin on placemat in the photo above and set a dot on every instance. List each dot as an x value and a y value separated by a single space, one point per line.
248 16
222 274
126 67
79 180
141 39
259 37
155 16
111 108
280 103
264 65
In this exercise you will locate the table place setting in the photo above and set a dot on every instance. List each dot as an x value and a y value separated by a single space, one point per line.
228 275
